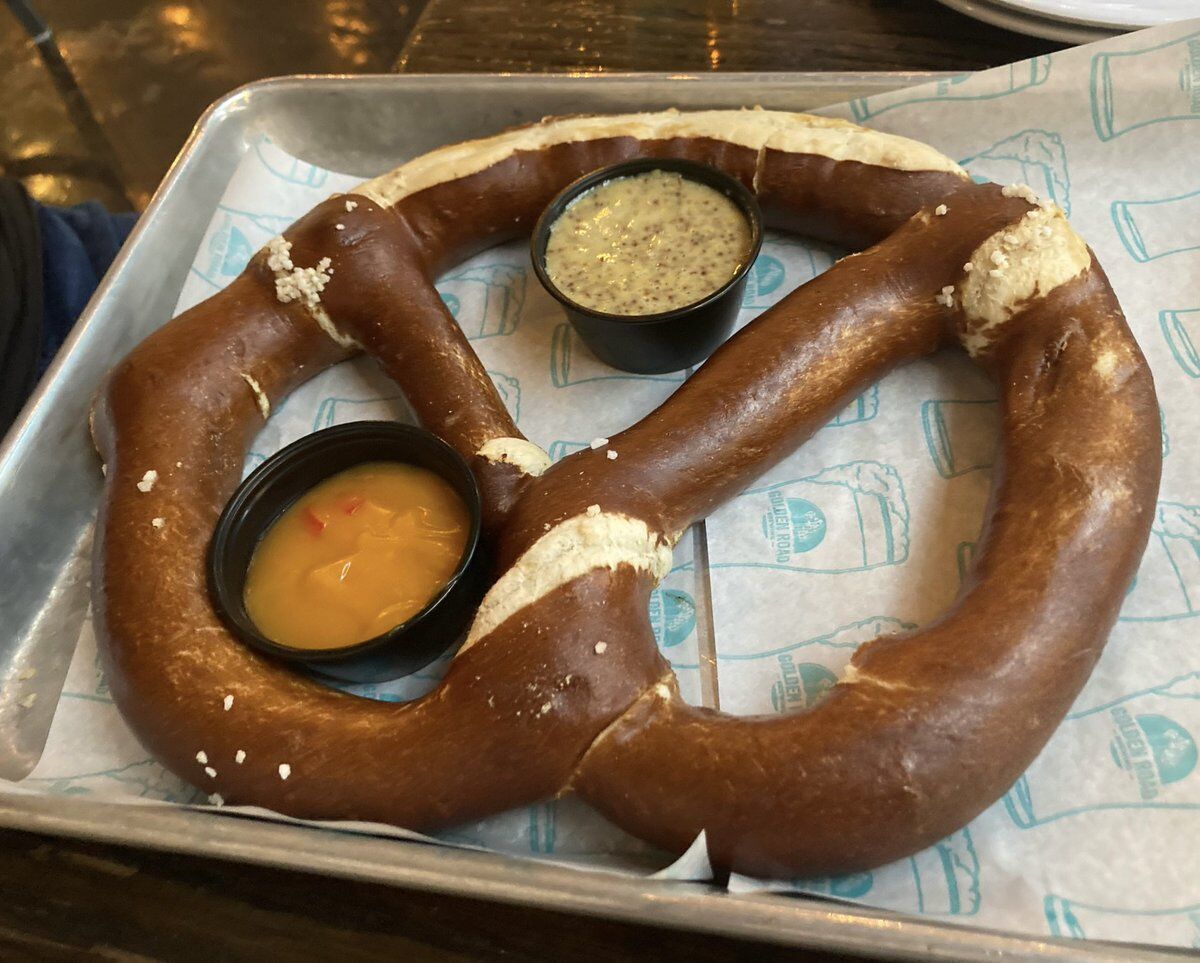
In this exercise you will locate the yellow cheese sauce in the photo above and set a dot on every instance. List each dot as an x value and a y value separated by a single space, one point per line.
360 553
646 243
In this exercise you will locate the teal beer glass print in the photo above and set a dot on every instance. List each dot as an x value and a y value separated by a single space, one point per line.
286 168
236 236
1182 330
800 684
1158 228
964 554
984 85
486 300
1177 926
145 779
863 408
942 880
1167 585
509 389
572 364
559 450
1171 69
672 615
847 518
765 279
960 436
543 826
852 886
946 877
769 280
339 411
829 650
1139 751
1034 157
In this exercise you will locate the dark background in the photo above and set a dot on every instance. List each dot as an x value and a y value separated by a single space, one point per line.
146 71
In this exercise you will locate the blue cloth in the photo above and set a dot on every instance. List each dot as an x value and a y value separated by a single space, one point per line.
78 245
51 260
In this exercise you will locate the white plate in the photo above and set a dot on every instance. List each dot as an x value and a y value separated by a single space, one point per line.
1048 29
1115 14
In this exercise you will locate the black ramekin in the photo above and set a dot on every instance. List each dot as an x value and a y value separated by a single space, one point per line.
671 340
288 474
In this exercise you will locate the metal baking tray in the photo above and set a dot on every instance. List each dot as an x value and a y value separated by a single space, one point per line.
49 486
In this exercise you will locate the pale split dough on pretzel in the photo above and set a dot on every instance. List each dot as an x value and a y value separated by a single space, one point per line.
560 685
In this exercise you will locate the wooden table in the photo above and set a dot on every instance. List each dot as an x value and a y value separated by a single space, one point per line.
148 69
600 35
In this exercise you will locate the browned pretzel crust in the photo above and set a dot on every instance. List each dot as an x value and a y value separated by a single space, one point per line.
560 685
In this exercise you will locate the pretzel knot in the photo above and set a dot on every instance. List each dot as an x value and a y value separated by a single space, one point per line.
560 685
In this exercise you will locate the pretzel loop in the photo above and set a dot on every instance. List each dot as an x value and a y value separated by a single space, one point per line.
560 685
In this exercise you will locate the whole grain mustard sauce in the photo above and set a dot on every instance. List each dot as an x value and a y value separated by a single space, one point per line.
646 243
361 552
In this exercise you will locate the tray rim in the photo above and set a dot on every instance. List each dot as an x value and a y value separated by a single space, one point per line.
672 904
788 920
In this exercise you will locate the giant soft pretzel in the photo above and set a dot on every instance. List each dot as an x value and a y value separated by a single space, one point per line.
560 685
